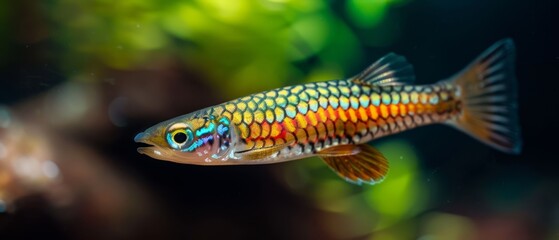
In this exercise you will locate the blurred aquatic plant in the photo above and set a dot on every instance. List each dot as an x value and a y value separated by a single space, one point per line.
404 193
437 225
241 46
369 13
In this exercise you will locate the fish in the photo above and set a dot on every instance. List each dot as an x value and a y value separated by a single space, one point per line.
334 120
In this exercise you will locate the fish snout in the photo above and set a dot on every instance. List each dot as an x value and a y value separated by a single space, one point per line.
141 137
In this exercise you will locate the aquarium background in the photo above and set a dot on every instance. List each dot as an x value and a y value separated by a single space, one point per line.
80 78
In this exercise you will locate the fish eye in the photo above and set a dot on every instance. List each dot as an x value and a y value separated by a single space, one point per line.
180 137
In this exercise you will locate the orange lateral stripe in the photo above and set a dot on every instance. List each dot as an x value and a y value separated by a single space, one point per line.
383 111
420 108
311 118
301 120
321 115
374 112
394 110
411 109
352 115
403 110
289 124
363 114
332 114
342 114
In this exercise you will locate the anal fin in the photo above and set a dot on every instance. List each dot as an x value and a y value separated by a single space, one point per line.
356 163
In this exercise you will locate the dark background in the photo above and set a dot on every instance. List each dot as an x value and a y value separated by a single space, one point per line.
493 195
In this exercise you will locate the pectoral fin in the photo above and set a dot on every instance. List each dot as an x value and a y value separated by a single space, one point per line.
356 163
256 154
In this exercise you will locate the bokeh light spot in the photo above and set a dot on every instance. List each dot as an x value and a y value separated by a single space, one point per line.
5 117
50 169
116 111
367 13
227 11
69 103
447 226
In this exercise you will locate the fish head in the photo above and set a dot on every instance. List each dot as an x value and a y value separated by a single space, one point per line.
191 139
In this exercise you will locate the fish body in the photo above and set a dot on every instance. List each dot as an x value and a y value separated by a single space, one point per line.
316 116
335 119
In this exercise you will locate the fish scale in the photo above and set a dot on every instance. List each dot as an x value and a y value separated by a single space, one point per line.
318 116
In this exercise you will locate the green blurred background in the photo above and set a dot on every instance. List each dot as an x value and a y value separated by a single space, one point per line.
108 69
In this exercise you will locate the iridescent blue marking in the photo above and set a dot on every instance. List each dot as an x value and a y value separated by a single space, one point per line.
194 145
205 130
323 102
303 108
291 112
279 115
221 129
171 141
225 121
270 117
303 96
224 136
354 103
344 102
355 90
313 105
282 103
386 98
345 91
434 99
189 135
375 99
405 98
333 102
364 101
198 143
334 91
395 98
312 93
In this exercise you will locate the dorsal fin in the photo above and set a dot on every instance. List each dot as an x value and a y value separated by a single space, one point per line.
392 69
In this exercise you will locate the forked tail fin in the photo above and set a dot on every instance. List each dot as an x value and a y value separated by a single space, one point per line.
488 93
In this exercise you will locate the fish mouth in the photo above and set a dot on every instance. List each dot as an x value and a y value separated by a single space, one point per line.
144 138
151 149
146 150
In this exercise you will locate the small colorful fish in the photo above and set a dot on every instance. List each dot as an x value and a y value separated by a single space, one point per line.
335 119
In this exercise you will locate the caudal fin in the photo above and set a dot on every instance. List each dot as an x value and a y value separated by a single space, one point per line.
487 88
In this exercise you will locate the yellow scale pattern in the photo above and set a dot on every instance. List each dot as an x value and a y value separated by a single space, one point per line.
335 111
